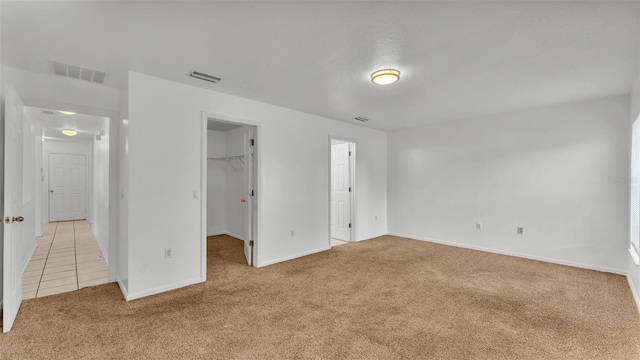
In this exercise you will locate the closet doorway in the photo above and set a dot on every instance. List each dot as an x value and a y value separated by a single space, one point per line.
341 191
231 179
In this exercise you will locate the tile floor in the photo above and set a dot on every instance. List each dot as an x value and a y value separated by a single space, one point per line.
67 258
336 242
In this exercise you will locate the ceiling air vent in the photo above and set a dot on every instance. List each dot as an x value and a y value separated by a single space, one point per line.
80 73
205 77
360 118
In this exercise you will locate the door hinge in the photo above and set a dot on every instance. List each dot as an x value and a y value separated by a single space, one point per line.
349 152
349 188
251 142
251 243
349 225
252 193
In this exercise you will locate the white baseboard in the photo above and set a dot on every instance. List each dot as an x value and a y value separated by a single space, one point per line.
228 234
105 254
234 236
291 257
162 289
28 258
510 253
635 292
377 236
123 288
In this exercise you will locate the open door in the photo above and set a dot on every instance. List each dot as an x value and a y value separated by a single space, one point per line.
341 191
249 180
13 158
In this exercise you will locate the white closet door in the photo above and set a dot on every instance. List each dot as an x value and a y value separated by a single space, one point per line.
340 192
249 182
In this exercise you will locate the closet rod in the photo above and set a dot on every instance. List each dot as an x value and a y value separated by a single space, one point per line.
229 159
238 157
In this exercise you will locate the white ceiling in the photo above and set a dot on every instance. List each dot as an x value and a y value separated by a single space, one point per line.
215 125
458 59
87 126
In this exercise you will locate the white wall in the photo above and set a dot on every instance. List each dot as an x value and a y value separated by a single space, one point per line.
122 271
100 191
28 226
633 270
216 182
553 171
234 189
39 180
165 153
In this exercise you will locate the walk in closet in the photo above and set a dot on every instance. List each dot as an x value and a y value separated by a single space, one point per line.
226 162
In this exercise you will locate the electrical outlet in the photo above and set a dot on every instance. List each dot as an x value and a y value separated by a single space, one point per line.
291 232
520 231
168 253
478 226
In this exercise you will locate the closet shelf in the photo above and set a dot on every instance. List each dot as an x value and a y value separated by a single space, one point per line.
229 159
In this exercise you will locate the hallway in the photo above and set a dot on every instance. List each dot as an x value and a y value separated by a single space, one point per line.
67 258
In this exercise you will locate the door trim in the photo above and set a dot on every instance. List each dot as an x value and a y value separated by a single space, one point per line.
352 183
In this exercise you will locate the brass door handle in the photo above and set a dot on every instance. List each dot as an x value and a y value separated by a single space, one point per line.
51 190
17 218
242 200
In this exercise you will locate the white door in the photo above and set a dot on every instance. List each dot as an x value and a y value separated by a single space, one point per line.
13 158
250 203
340 192
67 187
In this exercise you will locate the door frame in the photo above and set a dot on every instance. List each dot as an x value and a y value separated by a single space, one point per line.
114 171
257 218
352 183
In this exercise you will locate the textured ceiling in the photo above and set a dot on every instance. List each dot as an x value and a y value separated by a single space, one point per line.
458 59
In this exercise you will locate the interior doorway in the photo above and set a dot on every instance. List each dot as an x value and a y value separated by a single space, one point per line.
29 128
72 209
230 185
342 191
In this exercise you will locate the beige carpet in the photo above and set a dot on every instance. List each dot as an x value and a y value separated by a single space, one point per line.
386 298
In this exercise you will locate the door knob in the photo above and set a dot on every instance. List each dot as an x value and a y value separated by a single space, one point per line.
17 218
51 190
242 200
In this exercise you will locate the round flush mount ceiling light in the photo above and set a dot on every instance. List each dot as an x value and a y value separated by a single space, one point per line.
385 76
63 112
69 132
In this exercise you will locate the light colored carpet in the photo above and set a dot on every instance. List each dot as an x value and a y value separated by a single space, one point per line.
386 298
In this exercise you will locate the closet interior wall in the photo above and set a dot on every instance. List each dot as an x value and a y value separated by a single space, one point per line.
225 181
